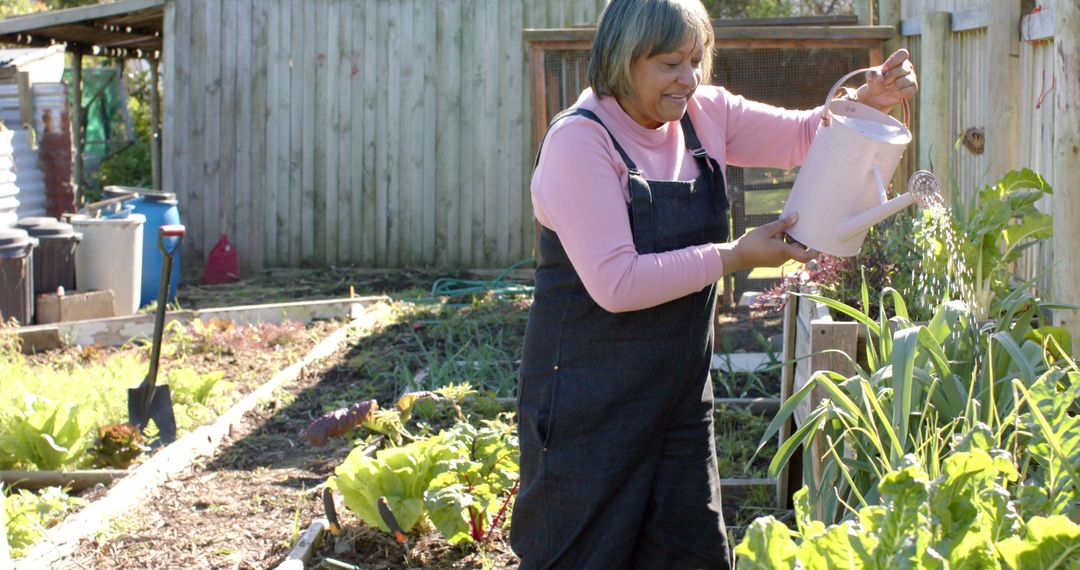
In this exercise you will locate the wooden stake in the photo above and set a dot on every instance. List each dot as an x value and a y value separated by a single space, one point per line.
1066 270
76 122
155 127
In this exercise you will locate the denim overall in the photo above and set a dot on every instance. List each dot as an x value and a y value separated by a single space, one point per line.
615 410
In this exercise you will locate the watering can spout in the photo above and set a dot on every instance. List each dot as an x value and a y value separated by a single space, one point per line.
924 191
852 226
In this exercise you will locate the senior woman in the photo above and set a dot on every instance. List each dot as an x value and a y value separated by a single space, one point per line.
618 465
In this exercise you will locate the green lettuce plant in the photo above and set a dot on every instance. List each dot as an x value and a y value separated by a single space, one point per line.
400 474
44 435
26 515
963 518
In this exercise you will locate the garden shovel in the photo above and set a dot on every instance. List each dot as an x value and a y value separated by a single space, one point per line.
148 401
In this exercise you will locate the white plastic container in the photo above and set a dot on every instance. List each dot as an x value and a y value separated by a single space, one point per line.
110 257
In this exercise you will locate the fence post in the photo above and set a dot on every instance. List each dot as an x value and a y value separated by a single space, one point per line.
864 10
935 97
1002 89
1066 200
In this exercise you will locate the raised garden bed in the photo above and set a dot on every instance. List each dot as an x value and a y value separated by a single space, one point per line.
229 362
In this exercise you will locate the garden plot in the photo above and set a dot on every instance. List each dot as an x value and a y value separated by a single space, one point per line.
249 503
64 410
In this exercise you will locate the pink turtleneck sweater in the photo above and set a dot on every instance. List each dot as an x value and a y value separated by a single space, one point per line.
579 188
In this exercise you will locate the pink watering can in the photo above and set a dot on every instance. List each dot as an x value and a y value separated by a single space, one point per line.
842 187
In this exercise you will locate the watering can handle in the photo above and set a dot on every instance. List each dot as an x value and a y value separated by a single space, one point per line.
829 100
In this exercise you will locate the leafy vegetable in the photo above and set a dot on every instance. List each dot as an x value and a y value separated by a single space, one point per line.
44 435
963 519
27 515
339 422
461 480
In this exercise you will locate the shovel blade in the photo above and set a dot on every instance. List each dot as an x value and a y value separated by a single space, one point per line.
160 410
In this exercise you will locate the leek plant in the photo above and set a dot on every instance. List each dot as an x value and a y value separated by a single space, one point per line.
929 385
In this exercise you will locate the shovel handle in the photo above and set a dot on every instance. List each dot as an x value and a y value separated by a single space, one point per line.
170 230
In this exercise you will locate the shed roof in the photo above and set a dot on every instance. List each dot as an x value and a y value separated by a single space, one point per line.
127 28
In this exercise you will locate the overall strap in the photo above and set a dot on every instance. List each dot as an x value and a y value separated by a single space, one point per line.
705 162
640 194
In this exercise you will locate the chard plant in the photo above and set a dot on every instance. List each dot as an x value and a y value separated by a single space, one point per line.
461 480
926 384
965 517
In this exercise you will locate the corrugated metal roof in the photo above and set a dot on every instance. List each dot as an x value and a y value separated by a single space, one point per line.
129 28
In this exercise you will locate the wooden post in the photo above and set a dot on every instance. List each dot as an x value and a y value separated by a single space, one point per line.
888 12
1066 269
935 100
1003 89
864 10
26 100
76 121
155 127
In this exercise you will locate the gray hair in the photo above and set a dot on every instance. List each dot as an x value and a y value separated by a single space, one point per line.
630 29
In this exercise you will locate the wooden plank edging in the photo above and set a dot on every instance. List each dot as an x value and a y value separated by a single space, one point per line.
72 480
62 539
115 331
301 554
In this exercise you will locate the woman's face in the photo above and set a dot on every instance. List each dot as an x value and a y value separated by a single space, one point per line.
663 84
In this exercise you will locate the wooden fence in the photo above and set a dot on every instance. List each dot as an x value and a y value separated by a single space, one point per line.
986 71
382 133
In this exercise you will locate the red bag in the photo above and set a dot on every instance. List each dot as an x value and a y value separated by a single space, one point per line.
223 265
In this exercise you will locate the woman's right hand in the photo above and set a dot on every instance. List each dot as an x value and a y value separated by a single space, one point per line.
765 246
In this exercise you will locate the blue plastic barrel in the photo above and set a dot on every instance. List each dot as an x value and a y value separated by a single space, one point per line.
160 209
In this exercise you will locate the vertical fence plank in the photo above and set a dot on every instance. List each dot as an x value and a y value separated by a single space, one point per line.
428 40
251 138
196 111
283 124
448 133
270 124
326 214
179 156
355 23
308 65
499 224
297 87
934 98
486 221
471 78
408 63
1066 200
228 215
382 142
211 141
315 137
371 122
1002 45
515 185
343 209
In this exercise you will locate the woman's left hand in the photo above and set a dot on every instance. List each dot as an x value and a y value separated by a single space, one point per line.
890 83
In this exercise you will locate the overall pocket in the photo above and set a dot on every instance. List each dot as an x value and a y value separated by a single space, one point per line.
537 390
